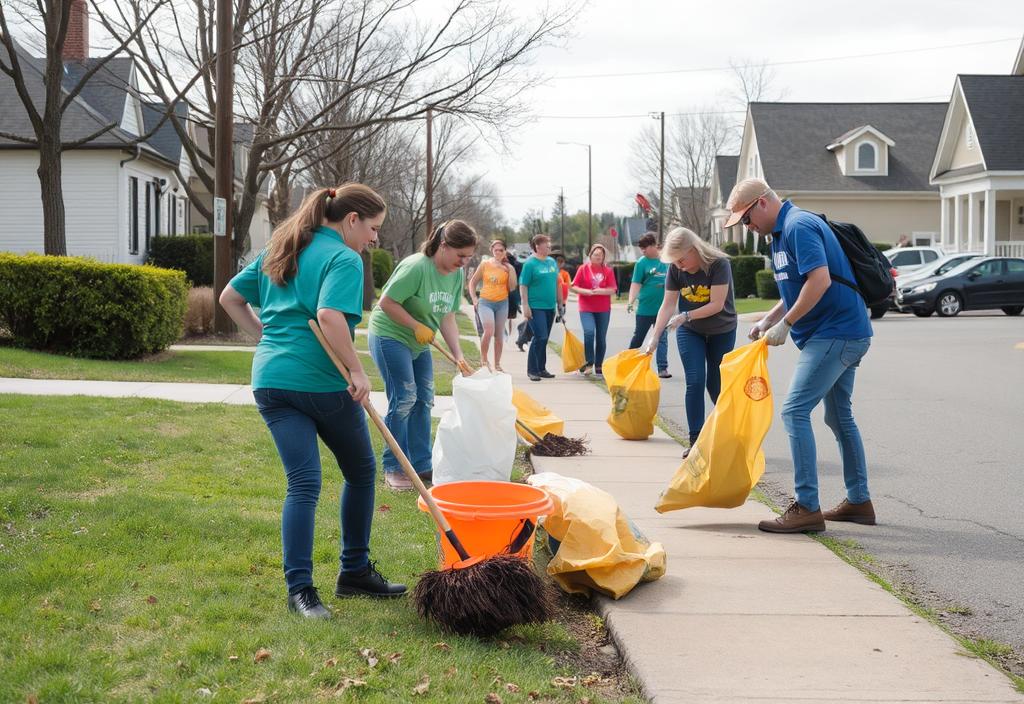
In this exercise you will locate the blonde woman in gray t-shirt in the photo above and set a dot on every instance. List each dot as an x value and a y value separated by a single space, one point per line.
699 286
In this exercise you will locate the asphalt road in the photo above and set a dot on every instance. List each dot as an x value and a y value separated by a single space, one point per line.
940 405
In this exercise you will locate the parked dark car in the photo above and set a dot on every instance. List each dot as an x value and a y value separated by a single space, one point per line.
979 284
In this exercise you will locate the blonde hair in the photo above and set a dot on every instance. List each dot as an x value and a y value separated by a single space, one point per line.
680 239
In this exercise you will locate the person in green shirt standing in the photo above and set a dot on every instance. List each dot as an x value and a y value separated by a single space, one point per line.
419 299
312 269
542 296
648 285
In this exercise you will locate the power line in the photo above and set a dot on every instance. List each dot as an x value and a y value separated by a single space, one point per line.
791 62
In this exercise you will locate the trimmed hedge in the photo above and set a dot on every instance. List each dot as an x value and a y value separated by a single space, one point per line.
192 254
766 286
623 275
382 264
731 248
83 308
744 271
882 246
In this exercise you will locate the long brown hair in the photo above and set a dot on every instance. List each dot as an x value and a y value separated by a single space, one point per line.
454 233
281 261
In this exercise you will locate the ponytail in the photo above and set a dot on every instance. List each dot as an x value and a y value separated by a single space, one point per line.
281 261
454 233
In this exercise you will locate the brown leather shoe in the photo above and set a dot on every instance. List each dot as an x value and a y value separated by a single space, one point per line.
863 513
796 519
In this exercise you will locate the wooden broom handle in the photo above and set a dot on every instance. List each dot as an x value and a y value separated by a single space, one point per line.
442 522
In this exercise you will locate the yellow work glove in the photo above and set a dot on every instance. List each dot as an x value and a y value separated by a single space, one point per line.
424 335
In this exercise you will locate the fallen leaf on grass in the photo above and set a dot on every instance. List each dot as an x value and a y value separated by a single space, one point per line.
384 508
347 682
150 599
594 678
94 606
261 655
442 646
492 698
451 672
512 687
423 686
371 657
331 662
232 658
564 682
204 692
31 699
533 695
394 658
258 699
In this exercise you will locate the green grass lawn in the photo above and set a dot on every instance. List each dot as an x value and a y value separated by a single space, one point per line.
189 367
754 305
140 561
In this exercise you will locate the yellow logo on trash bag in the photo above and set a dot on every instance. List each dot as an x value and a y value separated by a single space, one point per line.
756 388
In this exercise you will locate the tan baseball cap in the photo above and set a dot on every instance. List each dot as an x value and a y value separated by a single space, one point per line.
744 194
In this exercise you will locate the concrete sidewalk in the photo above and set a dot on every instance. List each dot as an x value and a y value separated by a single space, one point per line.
745 616
234 394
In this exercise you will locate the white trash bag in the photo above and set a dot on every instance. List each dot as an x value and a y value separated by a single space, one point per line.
476 439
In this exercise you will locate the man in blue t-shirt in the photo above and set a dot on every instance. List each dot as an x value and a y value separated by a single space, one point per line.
829 324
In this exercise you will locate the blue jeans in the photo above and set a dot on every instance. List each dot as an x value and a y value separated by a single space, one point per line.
540 325
643 324
702 358
826 370
295 419
409 383
595 336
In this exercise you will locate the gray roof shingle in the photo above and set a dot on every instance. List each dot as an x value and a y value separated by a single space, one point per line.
727 166
791 140
996 104
165 140
106 90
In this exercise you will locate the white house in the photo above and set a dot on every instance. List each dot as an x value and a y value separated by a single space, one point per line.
979 164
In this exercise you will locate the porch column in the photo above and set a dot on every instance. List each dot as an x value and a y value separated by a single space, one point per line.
958 222
972 222
944 224
990 223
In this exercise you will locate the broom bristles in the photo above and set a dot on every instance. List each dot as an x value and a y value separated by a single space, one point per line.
553 445
485 598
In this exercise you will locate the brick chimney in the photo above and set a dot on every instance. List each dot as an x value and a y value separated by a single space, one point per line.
76 45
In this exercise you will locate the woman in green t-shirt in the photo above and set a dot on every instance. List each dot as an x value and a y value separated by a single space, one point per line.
419 299
312 268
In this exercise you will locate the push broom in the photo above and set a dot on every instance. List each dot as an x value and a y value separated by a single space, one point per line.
478 596
551 445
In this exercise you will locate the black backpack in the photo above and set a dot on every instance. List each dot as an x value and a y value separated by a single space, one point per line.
871 270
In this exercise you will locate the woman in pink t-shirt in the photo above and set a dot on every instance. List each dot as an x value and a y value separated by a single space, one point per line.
594 285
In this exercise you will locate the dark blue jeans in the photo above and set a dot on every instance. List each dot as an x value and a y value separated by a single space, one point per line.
595 336
643 324
540 324
296 419
409 383
702 357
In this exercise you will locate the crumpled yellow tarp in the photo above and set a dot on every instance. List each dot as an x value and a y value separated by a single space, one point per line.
726 461
600 548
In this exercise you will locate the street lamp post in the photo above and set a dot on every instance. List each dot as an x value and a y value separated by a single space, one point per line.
590 196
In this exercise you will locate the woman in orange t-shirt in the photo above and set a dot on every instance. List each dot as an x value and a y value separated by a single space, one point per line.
564 280
498 277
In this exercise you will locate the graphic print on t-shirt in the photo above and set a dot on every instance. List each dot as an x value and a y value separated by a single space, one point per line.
696 294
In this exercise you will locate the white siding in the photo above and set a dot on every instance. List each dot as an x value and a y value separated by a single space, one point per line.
130 121
90 203
145 172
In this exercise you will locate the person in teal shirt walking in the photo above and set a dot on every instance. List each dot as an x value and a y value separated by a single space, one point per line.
542 296
646 293
312 269
420 298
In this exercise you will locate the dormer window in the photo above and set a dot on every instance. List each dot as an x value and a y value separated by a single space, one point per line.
867 157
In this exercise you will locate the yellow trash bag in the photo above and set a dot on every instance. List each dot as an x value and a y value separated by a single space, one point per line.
535 417
598 547
573 356
635 389
726 461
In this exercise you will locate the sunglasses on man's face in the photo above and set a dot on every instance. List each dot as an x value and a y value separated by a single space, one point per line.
745 220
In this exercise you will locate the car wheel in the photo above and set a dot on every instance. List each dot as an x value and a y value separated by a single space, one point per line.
1013 310
923 313
948 304
878 311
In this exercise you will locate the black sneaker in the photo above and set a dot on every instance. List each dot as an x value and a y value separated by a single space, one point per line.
533 377
546 375
664 374
306 602
369 582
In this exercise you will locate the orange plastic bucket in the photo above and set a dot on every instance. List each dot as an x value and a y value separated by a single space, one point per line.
489 517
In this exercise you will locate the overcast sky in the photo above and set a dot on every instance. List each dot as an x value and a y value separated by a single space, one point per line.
646 36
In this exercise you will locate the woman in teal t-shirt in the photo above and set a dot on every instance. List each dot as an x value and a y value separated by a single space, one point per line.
648 284
312 269
419 299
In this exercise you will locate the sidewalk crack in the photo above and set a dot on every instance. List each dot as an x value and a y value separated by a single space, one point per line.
984 526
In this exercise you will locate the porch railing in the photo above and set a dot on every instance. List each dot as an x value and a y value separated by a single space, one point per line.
1010 249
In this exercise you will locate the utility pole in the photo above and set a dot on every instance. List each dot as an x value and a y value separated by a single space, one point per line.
661 196
590 206
430 171
561 202
223 201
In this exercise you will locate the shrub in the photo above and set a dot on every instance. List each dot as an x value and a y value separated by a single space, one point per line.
382 264
744 270
199 313
623 275
882 246
731 248
192 254
766 286
81 307
748 243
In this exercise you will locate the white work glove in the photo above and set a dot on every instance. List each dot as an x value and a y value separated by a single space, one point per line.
778 334
758 329
675 321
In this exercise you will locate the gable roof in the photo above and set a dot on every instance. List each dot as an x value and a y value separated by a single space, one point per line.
996 107
106 90
726 166
844 139
165 140
792 140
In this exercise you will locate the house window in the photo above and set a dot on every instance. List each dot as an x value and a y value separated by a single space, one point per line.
867 157
149 213
172 214
133 215
158 214
1020 214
